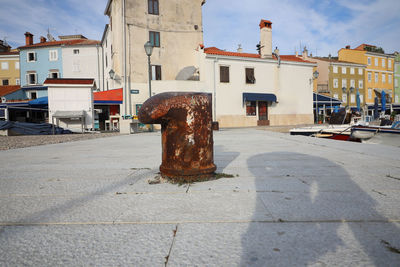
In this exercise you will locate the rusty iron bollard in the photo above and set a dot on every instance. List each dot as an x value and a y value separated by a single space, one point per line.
187 136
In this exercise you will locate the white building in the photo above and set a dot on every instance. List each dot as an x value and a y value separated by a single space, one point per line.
248 89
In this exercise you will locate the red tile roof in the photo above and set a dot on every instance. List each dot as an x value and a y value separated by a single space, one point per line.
216 51
8 89
69 81
110 95
9 53
63 42
362 47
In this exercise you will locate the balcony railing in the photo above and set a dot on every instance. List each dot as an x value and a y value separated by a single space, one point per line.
323 88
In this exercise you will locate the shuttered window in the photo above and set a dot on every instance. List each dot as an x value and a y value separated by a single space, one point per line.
154 38
224 74
153 7
250 76
156 72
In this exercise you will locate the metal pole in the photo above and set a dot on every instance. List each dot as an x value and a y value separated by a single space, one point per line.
149 67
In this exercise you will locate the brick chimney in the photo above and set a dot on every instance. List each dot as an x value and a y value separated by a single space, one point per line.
28 38
42 39
266 39
347 47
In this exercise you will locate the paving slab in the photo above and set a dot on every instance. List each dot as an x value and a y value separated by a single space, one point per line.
292 200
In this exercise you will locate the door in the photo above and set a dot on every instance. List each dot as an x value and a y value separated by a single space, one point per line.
263 113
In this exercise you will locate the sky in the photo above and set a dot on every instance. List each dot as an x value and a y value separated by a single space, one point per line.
323 26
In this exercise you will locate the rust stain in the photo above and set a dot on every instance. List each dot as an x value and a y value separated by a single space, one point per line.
187 136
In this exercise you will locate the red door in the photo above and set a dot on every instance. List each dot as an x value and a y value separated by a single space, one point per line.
263 113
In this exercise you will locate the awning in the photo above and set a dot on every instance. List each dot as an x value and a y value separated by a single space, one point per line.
69 114
34 88
325 100
108 97
259 97
41 101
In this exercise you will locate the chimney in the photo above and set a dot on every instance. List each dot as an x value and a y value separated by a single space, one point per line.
42 39
266 39
347 47
240 49
305 53
297 53
28 38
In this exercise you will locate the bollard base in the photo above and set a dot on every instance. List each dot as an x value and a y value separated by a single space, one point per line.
189 179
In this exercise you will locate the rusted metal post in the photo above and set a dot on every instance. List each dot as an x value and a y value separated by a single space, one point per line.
187 136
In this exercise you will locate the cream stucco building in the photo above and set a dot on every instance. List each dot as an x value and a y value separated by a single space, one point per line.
248 89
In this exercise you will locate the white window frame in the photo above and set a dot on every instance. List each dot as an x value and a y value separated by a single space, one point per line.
369 93
376 77
360 71
17 81
76 51
390 78
361 98
383 78
344 70
50 75
344 98
389 63
344 83
28 79
352 70
360 84
335 69
376 62
53 55
369 76
34 56
76 66
5 65
383 62
352 98
369 61
335 83
353 83
16 65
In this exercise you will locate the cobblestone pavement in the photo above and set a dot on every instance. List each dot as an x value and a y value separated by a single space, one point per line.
12 142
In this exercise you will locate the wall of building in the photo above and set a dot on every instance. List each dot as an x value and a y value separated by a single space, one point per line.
84 64
397 78
42 65
11 68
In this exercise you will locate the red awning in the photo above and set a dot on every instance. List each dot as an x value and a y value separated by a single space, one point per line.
108 97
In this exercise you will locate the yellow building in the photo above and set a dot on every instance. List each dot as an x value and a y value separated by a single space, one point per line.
379 73
9 68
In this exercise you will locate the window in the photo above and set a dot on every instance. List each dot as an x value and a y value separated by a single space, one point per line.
31 78
369 77
75 66
31 56
250 76
369 93
389 63
390 78
396 83
344 70
224 74
335 83
352 98
53 55
376 62
335 69
383 77
352 83
360 71
344 83
154 38
106 60
351 70
76 51
4 65
336 96
156 72
376 77
360 84
54 74
5 82
361 98
17 65
17 81
344 98
369 61
153 7
251 108
383 62
32 95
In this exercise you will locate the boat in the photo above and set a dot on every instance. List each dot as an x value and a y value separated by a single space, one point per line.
386 135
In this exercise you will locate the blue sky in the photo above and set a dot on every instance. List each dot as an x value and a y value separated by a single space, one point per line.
324 26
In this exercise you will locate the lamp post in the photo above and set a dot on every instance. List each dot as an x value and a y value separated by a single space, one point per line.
345 91
315 76
148 48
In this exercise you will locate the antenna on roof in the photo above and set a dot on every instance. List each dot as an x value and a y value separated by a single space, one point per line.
5 41
49 36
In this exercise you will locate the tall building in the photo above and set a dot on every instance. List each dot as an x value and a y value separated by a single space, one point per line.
379 70
397 79
9 65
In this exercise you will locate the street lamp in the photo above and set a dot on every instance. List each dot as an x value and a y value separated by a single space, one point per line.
315 76
345 91
148 48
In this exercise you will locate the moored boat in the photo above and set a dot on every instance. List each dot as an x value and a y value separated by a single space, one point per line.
386 135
